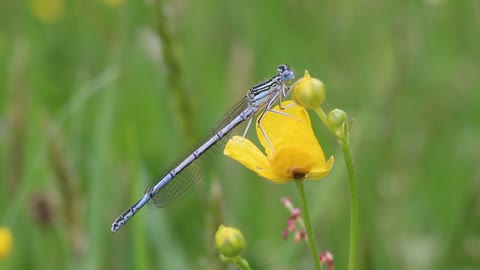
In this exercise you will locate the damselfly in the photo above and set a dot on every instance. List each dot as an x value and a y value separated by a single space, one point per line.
174 183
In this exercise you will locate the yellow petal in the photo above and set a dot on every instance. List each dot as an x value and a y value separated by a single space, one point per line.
320 170
291 162
297 153
286 130
245 152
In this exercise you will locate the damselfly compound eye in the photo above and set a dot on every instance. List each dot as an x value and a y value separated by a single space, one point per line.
282 68
285 73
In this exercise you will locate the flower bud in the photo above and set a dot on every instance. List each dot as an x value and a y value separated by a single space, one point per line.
48 11
229 241
336 117
6 242
309 92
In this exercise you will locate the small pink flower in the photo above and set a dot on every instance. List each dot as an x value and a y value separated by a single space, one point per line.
327 258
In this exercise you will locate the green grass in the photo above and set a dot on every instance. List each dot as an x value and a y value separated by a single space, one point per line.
90 116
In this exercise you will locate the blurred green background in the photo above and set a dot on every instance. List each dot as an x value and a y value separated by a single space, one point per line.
95 98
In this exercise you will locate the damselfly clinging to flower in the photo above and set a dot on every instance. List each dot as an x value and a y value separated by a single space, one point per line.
176 180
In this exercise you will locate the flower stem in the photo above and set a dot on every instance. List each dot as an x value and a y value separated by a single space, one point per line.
308 226
347 153
173 68
324 119
342 133
238 261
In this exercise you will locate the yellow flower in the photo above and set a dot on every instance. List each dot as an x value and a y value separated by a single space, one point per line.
297 153
113 3
47 11
6 242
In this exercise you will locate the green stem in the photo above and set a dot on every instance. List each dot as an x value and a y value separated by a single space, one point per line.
174 72
324 119
308 226
342 133
238 261
347 153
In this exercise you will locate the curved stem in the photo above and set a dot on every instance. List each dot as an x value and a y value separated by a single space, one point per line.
238 261
347 153
324 119
342 133
308 226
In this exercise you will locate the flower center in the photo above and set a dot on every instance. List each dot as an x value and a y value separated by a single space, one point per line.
297 172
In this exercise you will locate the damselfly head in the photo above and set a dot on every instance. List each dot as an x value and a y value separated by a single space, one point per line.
285 73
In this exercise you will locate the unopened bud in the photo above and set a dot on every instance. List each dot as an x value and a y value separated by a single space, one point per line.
336 117
229 241
309 92
6 242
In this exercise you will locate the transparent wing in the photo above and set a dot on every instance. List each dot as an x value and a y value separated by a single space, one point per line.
189 177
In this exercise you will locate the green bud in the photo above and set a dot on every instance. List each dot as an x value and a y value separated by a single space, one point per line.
6 242
336 117
309 92
229 241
